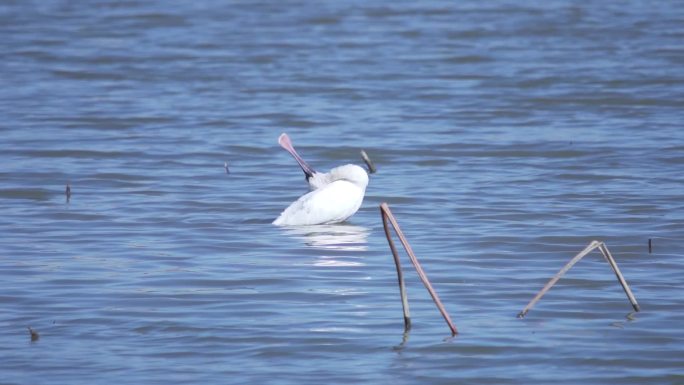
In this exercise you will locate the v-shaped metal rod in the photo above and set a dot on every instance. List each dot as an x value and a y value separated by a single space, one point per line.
388 216
606 254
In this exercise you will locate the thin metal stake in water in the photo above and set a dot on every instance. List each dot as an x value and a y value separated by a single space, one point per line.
400 276
388 216
593 245
606 253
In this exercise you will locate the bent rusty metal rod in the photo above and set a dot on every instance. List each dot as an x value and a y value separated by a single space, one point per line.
593 245
387 215
552 281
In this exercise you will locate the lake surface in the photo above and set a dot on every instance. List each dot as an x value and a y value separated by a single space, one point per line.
507 136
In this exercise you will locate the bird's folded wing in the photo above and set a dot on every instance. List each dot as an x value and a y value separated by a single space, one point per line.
332 203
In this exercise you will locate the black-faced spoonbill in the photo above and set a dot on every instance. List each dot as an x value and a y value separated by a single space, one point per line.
335 196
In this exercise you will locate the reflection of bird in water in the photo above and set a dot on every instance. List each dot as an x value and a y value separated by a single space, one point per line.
332 237
335 195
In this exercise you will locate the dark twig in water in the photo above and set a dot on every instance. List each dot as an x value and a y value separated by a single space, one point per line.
34 334
68 193
387 215
592 246
369 164
650 248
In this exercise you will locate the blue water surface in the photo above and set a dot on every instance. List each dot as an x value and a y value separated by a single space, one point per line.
507 136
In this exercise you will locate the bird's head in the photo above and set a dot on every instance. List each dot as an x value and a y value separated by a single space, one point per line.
350 172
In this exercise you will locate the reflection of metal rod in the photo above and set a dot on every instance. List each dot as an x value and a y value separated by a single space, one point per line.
593 245
388 216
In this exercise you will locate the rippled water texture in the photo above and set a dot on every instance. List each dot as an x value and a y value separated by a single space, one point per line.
507 135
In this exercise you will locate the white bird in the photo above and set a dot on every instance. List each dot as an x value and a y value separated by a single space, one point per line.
335 196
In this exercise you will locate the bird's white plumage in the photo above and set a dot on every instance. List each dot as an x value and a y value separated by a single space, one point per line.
337 195
332 203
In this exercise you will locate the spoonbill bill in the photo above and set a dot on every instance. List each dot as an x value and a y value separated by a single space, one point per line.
334 197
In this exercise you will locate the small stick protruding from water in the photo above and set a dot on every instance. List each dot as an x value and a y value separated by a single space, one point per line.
593 245
369 164
34 334
225 166
387 215
649 246
67 192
